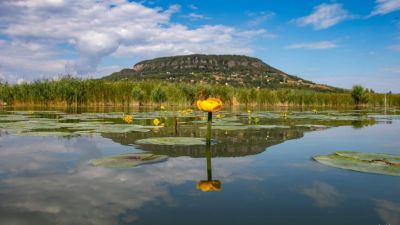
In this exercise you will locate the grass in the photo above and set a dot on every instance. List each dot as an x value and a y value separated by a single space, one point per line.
70 91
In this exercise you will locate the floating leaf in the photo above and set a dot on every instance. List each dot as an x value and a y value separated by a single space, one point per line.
245 127
11 117
172 141
378 163
312 126
267 126
228 128
120 128
46 134
127 160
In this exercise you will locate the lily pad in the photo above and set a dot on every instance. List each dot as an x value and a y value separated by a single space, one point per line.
46 134
172 141
12 117
227 128
127 160
120 128
377 163
312 126
245 127
268 126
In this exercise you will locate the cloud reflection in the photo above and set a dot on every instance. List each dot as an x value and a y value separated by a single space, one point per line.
388 211
82 194
323 194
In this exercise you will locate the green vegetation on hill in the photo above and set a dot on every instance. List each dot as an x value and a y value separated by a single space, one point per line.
70 91
233 70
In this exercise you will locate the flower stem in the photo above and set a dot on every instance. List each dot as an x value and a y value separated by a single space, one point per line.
208 147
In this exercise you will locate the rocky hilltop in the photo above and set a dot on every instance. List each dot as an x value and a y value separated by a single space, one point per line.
235 70
204 63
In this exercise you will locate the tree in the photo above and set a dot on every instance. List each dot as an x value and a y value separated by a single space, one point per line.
359 94
159 94
138 94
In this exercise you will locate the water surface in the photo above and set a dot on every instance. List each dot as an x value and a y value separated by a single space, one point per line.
267 174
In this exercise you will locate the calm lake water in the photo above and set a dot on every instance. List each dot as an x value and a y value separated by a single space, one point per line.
267 173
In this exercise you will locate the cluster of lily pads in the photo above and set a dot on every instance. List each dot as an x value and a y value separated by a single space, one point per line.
61 124
55 123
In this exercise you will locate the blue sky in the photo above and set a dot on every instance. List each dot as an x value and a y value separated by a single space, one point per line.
340 43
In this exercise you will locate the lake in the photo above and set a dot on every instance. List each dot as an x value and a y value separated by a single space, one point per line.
262 160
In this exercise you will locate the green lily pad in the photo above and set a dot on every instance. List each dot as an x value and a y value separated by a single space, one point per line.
28 126
12 117
127 160
228 128
120 128
312 125
172 141
219 123
268 126
377 163
46 134
245 127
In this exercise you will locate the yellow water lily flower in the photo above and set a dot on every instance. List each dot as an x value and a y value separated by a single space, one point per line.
189 110
162 107
219 116
210 105
315 111
156 122
207 186
128 119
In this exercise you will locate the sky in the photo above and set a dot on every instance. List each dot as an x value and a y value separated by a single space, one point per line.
340 43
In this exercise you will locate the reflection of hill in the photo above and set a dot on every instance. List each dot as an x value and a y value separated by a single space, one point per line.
230 143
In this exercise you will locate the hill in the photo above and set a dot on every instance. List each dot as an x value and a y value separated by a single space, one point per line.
235 70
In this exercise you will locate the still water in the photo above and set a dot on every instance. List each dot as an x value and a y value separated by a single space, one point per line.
263 160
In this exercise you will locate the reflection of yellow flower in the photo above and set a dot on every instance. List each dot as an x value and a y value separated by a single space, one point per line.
156 122
128 119
185 112
162 107
219 116
207 186
210 105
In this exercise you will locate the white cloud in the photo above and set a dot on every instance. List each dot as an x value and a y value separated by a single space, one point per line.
196 16
385 7
19 59
314 45
259 18
193 7
75 36
207 39
324 16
